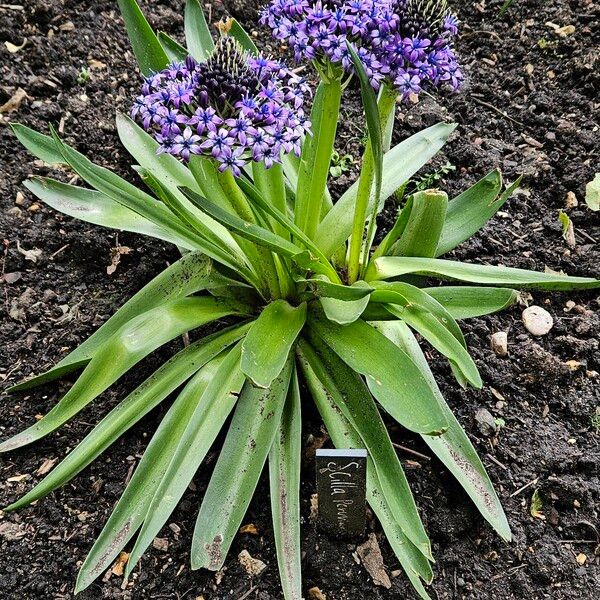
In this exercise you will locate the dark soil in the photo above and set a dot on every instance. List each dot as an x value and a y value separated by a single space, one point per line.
528 107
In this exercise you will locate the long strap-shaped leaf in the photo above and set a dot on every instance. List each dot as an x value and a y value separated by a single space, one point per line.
470 211
97 208
197 34
260 235
171 174
397 382
251 434
427 316
351 396
147 49
215 403
267 346
128 412
135 199
390 267
344 435
399 165
192 273
173 49
284 478
132 508
453 447
467 302
133 342
40 145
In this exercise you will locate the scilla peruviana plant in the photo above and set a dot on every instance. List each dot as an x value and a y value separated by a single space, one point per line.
221 141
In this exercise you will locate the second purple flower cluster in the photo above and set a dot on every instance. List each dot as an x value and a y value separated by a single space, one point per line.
405 42
233 107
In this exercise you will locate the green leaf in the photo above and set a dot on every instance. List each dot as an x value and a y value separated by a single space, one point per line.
284 478
422 232
351 396
130 344
217 242
192 273
323 288
467 302
344 435
133 408
143 148
427 316
40 145
470 211
395 380
399 165
237 32
311 185
369 101
213 402
173 49
257 199
396 231
97 208
132 508
267 346
125 193
346 311
197 34
413 562
592 193
253 428
389 267
250 231
453 447
147 49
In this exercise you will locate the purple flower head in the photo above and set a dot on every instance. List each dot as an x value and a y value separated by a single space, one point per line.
392 37
233 108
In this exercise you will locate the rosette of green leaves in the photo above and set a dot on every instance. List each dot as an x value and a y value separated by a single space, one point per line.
305 296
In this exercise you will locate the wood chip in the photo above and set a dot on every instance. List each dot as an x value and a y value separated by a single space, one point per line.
250 528
161 544
119 567
46 466
253 566
581 559
370 555
14 102
316 594
13 48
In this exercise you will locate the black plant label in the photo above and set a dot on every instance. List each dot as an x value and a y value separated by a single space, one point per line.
341 487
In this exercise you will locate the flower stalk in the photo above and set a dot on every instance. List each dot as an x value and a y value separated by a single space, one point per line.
386 105
316 155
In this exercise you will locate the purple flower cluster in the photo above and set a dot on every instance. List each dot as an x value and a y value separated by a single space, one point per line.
233 107
405 42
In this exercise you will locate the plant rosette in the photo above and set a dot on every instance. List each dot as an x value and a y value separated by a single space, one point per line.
236 178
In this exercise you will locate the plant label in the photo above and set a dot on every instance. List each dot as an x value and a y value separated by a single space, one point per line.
341 486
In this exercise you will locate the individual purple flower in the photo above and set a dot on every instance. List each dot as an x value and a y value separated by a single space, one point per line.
233 108
186 144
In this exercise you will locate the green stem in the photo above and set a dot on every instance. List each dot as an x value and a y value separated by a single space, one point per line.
260 257
386 105
316 154
271 184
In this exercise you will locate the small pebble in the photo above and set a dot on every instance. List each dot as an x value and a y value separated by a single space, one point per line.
486 422
500 343
537 320
571 201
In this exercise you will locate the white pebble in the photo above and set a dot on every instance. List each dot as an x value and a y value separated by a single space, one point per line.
500 343
537 320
